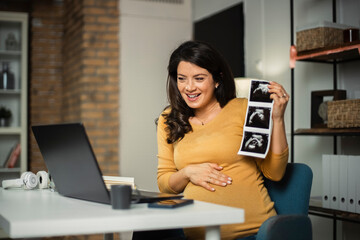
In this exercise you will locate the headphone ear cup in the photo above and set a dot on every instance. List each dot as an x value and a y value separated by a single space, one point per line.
44 179
30 180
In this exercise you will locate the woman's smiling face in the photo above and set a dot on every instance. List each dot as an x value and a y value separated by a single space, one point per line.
196 85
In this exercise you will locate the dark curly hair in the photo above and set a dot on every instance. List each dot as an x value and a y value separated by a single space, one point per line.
205 56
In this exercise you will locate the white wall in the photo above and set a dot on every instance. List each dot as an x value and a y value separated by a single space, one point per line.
267 42
149 31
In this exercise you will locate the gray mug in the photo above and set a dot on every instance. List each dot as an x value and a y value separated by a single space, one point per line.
121 196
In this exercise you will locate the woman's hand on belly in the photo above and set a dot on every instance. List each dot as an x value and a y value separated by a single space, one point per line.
207 174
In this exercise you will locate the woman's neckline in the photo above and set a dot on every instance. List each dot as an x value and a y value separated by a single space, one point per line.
210 114
200 125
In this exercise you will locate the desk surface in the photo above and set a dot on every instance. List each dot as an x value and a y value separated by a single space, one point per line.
42 213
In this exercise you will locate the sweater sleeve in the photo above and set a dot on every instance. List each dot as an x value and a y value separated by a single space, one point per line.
274 165
166 165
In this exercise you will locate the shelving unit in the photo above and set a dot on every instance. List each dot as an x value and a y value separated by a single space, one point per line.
331 55
13 54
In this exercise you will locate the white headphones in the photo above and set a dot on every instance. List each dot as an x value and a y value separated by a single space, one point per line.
29 180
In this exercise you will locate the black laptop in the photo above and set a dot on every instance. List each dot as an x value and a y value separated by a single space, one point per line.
71 161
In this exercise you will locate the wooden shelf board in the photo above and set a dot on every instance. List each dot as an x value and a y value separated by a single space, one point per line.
332 213
9 170
328 131
10 130
10 52
315 208
343 53
10 91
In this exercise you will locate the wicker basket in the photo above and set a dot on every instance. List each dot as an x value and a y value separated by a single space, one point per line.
344 113
318 38
319 35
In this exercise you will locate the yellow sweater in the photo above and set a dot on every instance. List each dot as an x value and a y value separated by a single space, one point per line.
218 142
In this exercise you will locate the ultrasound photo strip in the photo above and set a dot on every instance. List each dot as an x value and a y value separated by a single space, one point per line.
258 121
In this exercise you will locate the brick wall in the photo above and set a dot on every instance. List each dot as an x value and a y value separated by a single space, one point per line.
75 73
46 71
91 74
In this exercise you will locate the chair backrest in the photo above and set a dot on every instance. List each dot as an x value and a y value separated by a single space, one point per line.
291 194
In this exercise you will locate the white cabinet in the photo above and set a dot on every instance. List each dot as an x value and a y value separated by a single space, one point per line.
13 90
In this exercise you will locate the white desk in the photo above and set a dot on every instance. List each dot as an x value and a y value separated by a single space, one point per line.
42 213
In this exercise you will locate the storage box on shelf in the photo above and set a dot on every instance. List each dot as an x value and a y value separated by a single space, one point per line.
318 35
344 113
321 34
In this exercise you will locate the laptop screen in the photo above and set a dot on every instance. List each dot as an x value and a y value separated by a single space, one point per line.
71 161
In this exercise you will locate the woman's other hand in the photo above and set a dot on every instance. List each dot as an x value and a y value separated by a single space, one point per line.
206 175
281 98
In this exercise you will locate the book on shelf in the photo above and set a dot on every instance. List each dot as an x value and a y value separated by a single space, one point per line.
4 164
116 180
13 157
